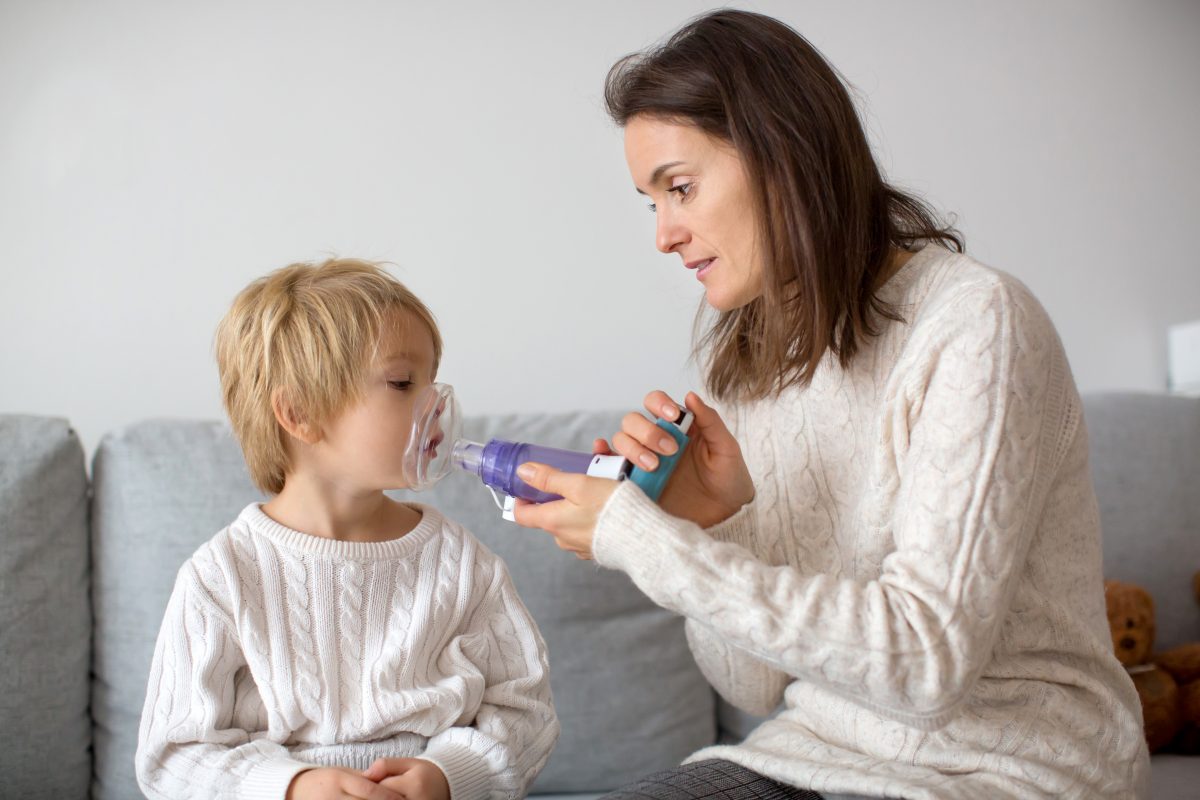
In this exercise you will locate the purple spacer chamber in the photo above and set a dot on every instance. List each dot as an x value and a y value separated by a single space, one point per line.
496 465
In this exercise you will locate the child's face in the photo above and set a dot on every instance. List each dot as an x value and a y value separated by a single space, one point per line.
364 445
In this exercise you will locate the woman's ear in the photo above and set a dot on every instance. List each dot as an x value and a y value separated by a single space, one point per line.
293 421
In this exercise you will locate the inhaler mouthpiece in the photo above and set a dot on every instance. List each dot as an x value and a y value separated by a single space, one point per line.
467 455
436 429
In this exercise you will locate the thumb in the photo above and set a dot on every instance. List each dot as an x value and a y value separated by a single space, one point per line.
707 419
600 448
709 427
540 476
548 479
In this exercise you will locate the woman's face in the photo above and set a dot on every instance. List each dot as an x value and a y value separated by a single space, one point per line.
702 204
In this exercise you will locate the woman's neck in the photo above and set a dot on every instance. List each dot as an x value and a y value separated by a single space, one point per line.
896 261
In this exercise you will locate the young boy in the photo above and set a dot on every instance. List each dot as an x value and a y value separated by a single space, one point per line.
332 627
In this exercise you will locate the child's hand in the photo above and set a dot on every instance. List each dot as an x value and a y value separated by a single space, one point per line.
414 778
336 783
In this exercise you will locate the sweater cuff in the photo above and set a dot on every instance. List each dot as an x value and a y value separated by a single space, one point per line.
629 531
738 529
270 779
465 770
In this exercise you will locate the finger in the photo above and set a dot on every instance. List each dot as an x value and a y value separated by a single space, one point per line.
391 795
537 515
546 516
601 448
361 787
397 783
548 479
635 452
647 434
383 767
525 514
660 404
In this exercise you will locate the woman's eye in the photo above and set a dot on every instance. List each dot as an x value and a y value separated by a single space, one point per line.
683 190
400 385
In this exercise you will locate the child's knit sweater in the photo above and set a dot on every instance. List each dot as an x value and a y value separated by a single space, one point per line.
280 651
920 568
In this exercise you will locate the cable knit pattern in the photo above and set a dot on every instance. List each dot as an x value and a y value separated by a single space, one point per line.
280 651
918 578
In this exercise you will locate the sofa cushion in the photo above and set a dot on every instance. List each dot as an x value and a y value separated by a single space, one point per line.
629 696
45 621
1145 459
160 490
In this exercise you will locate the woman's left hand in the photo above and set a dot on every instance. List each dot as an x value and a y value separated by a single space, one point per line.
572 520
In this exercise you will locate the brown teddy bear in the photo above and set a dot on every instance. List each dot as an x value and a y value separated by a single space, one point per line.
1168 683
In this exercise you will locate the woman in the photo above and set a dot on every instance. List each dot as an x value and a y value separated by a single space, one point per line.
896 535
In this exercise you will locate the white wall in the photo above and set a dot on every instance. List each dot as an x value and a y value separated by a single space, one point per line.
155 157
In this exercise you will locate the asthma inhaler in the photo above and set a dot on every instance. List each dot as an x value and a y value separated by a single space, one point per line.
496 462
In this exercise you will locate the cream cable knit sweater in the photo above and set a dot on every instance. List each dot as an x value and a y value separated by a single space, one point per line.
918 578
280 651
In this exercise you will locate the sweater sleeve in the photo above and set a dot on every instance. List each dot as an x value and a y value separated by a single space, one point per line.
499 752
975 429
188 743
741 678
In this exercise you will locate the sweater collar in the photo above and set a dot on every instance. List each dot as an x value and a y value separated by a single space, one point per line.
256 521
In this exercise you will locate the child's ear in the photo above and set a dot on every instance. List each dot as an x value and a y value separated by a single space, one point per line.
292 421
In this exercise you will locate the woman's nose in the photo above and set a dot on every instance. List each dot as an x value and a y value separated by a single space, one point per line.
668 233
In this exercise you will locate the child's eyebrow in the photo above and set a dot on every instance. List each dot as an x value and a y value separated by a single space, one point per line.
398 358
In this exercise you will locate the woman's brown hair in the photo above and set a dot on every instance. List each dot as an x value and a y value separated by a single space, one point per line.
827 218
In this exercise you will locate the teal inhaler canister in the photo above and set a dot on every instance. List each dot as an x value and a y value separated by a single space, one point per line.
653 482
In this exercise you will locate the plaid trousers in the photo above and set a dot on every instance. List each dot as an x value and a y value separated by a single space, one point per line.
709 780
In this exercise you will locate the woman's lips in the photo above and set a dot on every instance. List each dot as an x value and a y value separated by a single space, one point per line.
702 268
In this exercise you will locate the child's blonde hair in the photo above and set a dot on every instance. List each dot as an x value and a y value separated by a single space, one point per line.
307 333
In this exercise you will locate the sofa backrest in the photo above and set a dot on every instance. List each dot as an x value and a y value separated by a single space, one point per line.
630 698
628 694
45 622
1145 457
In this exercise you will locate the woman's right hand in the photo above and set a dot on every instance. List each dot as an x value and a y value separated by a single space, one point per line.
711 481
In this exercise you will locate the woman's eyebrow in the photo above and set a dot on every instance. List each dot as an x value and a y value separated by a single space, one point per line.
661 169
658 171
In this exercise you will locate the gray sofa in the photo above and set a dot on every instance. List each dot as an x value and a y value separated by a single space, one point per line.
86 568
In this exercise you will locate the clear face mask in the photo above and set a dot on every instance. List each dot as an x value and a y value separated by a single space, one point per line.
436 426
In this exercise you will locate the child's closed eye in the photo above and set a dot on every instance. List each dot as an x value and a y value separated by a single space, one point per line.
401 386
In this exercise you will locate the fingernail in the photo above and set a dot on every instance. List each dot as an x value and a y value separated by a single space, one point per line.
648 461
525 472
670 412
667 446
